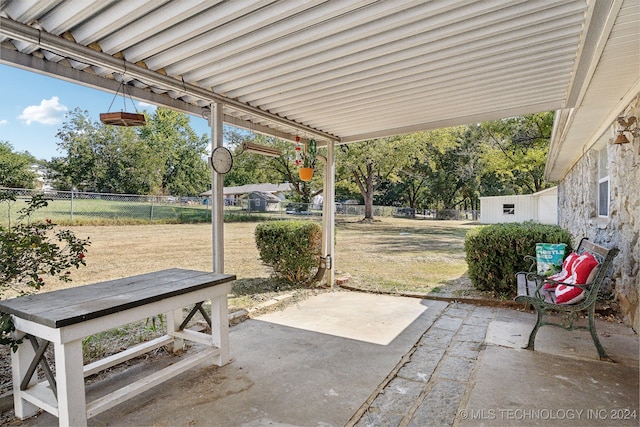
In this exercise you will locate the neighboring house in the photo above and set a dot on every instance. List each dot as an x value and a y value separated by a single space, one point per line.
42 182
539 207
232 195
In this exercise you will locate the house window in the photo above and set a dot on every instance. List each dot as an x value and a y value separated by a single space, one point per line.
509 209
603 183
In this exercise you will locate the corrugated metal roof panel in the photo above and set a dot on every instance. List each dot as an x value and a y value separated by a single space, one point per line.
344 70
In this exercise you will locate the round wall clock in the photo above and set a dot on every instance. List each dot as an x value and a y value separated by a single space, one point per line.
221 160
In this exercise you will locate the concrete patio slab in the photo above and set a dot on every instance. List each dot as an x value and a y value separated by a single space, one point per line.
282 375
355 359
376 319
514 333
522 387
563 382
469 370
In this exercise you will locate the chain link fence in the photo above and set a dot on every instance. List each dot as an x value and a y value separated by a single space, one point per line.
94 208
82 207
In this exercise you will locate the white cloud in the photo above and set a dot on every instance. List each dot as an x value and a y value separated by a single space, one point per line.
147 106
4 122
49 112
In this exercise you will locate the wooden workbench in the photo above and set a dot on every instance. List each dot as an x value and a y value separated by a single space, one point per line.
66 316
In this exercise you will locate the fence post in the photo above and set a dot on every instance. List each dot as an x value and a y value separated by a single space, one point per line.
71 210
151 214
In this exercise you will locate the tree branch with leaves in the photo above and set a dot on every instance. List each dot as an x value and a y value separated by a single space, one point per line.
32 251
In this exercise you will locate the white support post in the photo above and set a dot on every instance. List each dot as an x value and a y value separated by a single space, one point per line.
217 191
72 408
174 320
328 213
220 327
20 362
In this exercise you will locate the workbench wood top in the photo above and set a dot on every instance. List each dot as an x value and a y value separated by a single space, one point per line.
75 305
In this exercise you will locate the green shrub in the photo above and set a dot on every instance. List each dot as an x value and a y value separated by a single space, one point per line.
31 251
495 253
291 248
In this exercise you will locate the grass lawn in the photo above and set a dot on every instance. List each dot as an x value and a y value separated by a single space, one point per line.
402 254
109 211
388 255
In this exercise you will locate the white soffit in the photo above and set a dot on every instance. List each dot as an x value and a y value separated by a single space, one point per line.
345 70
612 83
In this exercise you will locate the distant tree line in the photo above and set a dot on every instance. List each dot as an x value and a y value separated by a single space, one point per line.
163 157
15 167
438 169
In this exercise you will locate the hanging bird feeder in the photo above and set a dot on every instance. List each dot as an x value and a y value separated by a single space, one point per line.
123 118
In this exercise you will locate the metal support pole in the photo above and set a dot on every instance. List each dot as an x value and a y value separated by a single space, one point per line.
328 213
217 189
71 209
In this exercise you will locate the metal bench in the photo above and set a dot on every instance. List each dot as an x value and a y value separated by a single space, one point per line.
65 317
531 292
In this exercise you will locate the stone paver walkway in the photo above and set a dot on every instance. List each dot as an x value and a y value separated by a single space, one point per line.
430 382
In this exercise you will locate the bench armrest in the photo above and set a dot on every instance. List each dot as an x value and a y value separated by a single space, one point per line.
541 280
555 282
534 263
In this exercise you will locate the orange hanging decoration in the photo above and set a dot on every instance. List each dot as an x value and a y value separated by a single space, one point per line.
305 174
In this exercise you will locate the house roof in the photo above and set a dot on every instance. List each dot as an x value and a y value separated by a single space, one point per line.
344 70
249 188
267 197
546 192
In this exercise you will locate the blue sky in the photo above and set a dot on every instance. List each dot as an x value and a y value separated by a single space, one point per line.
33 108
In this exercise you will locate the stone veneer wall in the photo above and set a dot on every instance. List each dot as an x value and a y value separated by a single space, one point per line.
577 212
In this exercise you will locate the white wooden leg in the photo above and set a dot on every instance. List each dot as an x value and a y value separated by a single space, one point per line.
72 409
174 319
20 362
220 328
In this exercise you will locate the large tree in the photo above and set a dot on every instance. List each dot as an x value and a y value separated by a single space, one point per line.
15 168
450 167
180 152
127 162
369 164
459 164
77 167
164 157
106 159
515 153
455 166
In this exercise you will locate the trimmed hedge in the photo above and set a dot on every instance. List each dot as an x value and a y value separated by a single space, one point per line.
291 248
495 253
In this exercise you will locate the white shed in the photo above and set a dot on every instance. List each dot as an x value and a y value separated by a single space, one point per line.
540 207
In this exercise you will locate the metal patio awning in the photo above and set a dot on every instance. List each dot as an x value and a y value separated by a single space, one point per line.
341 70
